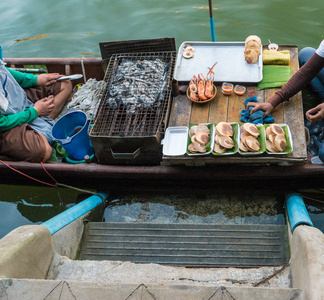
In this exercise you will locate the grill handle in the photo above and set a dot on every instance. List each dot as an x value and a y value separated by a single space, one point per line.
125 155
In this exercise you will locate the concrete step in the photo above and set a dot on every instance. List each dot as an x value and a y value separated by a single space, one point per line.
13 289
191 245
127 272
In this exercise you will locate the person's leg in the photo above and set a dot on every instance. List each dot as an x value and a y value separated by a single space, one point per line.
48 148
26 144
305 54
62 92
61 98
317 84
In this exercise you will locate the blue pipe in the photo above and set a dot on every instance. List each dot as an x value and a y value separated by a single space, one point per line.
58 222
1 53
212 29
297 211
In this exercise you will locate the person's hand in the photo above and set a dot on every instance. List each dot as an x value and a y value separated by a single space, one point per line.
266 107
47 79
45 106
316 113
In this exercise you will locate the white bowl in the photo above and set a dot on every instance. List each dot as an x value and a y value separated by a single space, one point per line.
273 47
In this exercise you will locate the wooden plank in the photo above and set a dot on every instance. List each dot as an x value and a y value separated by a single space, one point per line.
200 113
235 105
218 107
260 94
294 115
180 111
277 113
295 119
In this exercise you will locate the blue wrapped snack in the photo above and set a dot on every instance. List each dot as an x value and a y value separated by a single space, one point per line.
256 117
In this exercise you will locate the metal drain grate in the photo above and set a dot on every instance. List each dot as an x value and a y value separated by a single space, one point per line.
192 245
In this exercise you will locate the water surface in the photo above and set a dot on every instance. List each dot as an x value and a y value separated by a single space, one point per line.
28 205
196 206
73 28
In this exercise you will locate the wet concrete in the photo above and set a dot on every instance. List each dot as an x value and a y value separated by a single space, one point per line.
127 272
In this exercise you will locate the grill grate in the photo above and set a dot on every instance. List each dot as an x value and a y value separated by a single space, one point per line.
137 97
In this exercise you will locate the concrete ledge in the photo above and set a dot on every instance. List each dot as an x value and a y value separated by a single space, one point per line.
26 252
307 261
53 289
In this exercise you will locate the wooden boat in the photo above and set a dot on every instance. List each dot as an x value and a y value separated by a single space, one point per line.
297 172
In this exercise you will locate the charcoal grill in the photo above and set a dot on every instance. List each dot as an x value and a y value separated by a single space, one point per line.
133 111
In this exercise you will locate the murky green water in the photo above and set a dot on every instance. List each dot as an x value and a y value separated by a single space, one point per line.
196 206
26 205
73 28
314 201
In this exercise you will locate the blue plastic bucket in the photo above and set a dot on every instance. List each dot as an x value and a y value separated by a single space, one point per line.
72 132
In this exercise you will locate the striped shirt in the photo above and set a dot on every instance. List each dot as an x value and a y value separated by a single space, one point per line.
19 109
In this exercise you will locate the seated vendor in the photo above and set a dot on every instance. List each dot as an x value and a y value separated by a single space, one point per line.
28 106
311 72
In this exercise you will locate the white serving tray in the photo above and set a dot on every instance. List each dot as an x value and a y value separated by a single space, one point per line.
231 65
175 141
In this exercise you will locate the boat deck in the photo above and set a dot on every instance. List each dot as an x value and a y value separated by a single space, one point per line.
228 108
293 172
